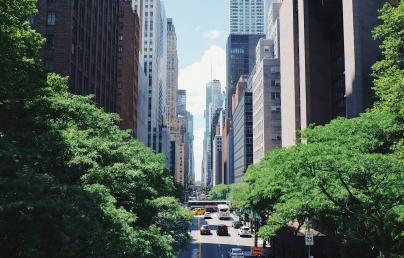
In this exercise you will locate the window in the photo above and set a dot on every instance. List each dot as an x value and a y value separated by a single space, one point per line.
120 49
275 83
275 95
49 42
276 137
48 65
51 18
275 109
275 69
120 37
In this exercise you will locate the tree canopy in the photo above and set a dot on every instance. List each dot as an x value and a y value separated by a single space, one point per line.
72 184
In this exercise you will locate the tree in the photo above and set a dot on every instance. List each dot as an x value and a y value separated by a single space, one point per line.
347 180
389 72
238 194
219 192
72 184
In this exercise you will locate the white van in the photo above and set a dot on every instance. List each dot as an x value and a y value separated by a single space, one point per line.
223 211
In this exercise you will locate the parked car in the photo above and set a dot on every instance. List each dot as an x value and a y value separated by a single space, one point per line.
222 230
207 215
244 231
237 224
205 230
236 252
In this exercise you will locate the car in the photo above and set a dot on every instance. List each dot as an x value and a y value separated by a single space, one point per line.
198 211
210 209
207 215
237 224
205 230
222 230
244 231
236 252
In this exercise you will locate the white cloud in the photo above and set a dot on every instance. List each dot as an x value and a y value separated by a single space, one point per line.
213 34
193 79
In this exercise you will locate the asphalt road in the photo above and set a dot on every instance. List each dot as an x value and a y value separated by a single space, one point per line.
213 246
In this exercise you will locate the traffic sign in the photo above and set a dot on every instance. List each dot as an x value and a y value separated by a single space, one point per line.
309 238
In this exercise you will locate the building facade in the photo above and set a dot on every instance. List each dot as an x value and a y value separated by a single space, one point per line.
214 101
243 129
82 42
217 160
154 47
190 147
266 88
181 102
247 16
240 54
273 24
172 72
128 66
332 39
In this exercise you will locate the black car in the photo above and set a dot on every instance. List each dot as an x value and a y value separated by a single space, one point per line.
237 224
205 230
222 230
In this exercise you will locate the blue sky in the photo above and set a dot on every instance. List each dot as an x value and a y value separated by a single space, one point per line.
194 20
202 30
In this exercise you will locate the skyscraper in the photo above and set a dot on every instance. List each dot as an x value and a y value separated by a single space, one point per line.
172 72
240 54
326 58
154 55
79 45
181 103
190 146
247 16
214 101
246 28
243 129
266 88
128 66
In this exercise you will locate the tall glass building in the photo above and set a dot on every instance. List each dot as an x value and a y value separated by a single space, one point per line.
247 17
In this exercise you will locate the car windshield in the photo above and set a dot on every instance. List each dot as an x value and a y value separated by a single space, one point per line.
205 226
245 228
223 209
237 251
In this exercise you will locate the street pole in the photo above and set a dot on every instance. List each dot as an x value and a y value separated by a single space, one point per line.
255 233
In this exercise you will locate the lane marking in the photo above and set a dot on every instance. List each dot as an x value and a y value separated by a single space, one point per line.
199 239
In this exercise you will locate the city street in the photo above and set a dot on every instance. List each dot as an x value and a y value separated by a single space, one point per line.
213 246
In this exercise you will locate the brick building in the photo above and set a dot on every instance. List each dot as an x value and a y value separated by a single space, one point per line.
128 65
81 42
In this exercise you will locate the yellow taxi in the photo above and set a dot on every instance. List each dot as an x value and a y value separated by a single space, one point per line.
198 211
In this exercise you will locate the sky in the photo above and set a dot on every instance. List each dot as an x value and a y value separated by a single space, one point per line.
201 27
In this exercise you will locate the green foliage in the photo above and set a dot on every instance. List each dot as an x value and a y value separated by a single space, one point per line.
347 180
72 184
389 72
219 192
238 195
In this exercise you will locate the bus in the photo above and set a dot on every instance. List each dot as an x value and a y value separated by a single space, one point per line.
223 211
